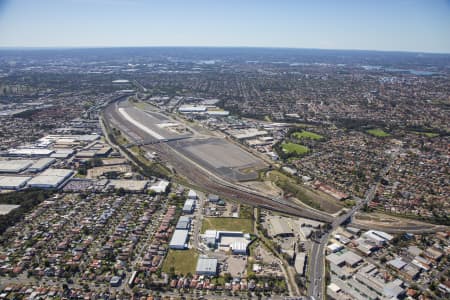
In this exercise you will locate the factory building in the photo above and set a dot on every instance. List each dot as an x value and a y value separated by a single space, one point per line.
50 178
192 195
206 266
238 247
160 187
184 222
217 112
14 166
62 153
380 238
235 241
244 134
300 263
213 198
179 239
189 206
13 182
347 258
41 164
29 152
190 109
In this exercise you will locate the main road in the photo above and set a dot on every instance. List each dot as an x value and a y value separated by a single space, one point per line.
317 261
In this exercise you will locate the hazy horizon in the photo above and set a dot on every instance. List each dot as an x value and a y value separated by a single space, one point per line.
391 26
30 48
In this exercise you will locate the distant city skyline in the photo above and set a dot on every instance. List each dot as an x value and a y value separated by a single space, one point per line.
407 25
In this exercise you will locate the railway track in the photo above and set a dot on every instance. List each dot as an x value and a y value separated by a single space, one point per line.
227 190
209 182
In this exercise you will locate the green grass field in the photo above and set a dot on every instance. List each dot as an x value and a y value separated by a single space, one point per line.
183 261
230 224
294 148
378 132
312 198
307 134
427 134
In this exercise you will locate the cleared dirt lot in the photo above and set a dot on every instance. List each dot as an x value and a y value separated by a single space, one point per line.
266 187
99 171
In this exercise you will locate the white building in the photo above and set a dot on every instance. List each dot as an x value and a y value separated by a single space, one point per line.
206 266
189 206
30 152
160 187
13 182
235 241
50 178
41 164
192 195
14 165
190 109
179 239
380 238
300 263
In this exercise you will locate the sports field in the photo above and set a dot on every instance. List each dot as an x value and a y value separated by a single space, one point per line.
294 148
378 132
307 135
229 224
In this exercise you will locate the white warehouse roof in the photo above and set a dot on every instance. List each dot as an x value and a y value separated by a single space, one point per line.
50 178
14 166
30 152
160 187
206 266
192 108
41 164
188 205
179 239
192 194
13 182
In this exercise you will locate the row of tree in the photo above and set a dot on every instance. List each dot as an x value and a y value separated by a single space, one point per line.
26 199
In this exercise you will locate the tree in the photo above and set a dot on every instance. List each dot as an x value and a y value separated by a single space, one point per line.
171 272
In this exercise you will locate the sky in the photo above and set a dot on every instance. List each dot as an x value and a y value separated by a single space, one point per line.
398 25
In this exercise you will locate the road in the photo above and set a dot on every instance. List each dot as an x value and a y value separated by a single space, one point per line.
317 261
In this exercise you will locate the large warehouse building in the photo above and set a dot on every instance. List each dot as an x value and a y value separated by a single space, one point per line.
14 165
206 266
184 222
13 182
41 164
50 178
30 152
189 206
179 239
235 241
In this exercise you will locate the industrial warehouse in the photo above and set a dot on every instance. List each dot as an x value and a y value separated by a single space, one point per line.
179 239
234 241
51 163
